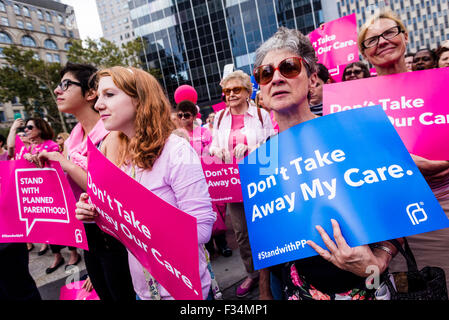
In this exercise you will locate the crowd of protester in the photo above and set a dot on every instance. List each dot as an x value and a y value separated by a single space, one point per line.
126 114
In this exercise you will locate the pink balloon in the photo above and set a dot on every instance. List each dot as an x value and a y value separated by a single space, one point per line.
186 92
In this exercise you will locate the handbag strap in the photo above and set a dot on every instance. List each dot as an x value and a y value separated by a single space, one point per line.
407 253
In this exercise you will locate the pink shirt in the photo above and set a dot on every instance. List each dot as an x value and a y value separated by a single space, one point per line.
237 136
200 138
177 177
47 145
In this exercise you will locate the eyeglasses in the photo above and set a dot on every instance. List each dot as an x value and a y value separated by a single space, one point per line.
185 115
29 127
236 90
289 68
355 72
64 85
387 35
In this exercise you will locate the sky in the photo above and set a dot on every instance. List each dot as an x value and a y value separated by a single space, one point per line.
87 18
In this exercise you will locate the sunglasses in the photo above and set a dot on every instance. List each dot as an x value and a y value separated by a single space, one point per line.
65 84
185 115
355 72
387 35
236 90
289 68
57 138
29 127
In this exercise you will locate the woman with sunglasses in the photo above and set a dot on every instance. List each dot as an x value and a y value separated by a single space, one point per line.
285 68
356 70
382 41
199 137
239 129
60 139
133 102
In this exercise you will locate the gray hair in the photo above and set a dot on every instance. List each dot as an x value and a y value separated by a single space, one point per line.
292 40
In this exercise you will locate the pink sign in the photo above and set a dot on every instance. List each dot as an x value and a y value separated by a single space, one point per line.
223 180
219 106
37 205
74 291
419 112
335 42
163 238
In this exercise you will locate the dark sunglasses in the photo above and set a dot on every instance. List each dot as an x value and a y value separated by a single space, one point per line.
236 90
387 35
355 72
289 68
185 115
29 127
57 138
65 84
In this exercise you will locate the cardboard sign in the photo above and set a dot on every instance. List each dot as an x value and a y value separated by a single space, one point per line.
335 42
163 238
349 166
419 113
223 180
37 205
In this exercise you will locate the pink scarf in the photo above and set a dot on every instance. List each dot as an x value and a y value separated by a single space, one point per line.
77 148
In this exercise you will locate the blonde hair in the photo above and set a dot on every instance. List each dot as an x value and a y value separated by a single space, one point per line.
239 75
383 14
152 124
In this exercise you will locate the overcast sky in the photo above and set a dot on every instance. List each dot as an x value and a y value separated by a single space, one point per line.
87 18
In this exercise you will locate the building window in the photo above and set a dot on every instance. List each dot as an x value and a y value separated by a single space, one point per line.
26 12
50 44
60 19
51 30
67 46
49 57
5 38
40 15
48 16
28 25
2 55
27 41
43 28
20 24
4 21
2 7
16 9
56 58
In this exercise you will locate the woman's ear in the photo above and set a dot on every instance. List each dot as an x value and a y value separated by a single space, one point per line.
91 94
313 80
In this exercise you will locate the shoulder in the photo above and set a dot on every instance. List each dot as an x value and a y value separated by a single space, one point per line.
178 151
110 145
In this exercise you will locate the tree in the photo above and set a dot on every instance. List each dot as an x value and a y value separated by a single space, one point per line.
32 81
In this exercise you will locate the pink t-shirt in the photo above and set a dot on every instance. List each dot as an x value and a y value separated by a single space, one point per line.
200 138
237 136
177 177
47 145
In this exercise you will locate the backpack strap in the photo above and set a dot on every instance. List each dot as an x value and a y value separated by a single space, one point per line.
259 114
220 117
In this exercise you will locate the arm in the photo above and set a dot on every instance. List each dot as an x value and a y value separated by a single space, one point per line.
11 140
431 169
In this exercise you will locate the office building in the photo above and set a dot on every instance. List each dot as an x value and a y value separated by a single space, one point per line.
115 21
191 41
427 21
44 26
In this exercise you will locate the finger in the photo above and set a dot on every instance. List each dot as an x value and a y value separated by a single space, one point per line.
326 239
339 239
84 197
322 252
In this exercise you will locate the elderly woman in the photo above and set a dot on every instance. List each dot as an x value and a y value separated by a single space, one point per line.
356 70
239 129
285 69
382 41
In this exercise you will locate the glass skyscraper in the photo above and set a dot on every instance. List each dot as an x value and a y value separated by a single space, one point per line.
191 41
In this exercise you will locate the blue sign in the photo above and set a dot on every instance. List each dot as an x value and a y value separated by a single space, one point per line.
255 87
349 166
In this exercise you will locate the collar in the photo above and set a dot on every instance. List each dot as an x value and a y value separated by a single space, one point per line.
251 111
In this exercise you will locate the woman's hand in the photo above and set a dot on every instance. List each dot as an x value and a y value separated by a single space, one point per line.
31 158
45 156
431 169
17 124
87 285
240 150
85 211
355 260
222 154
